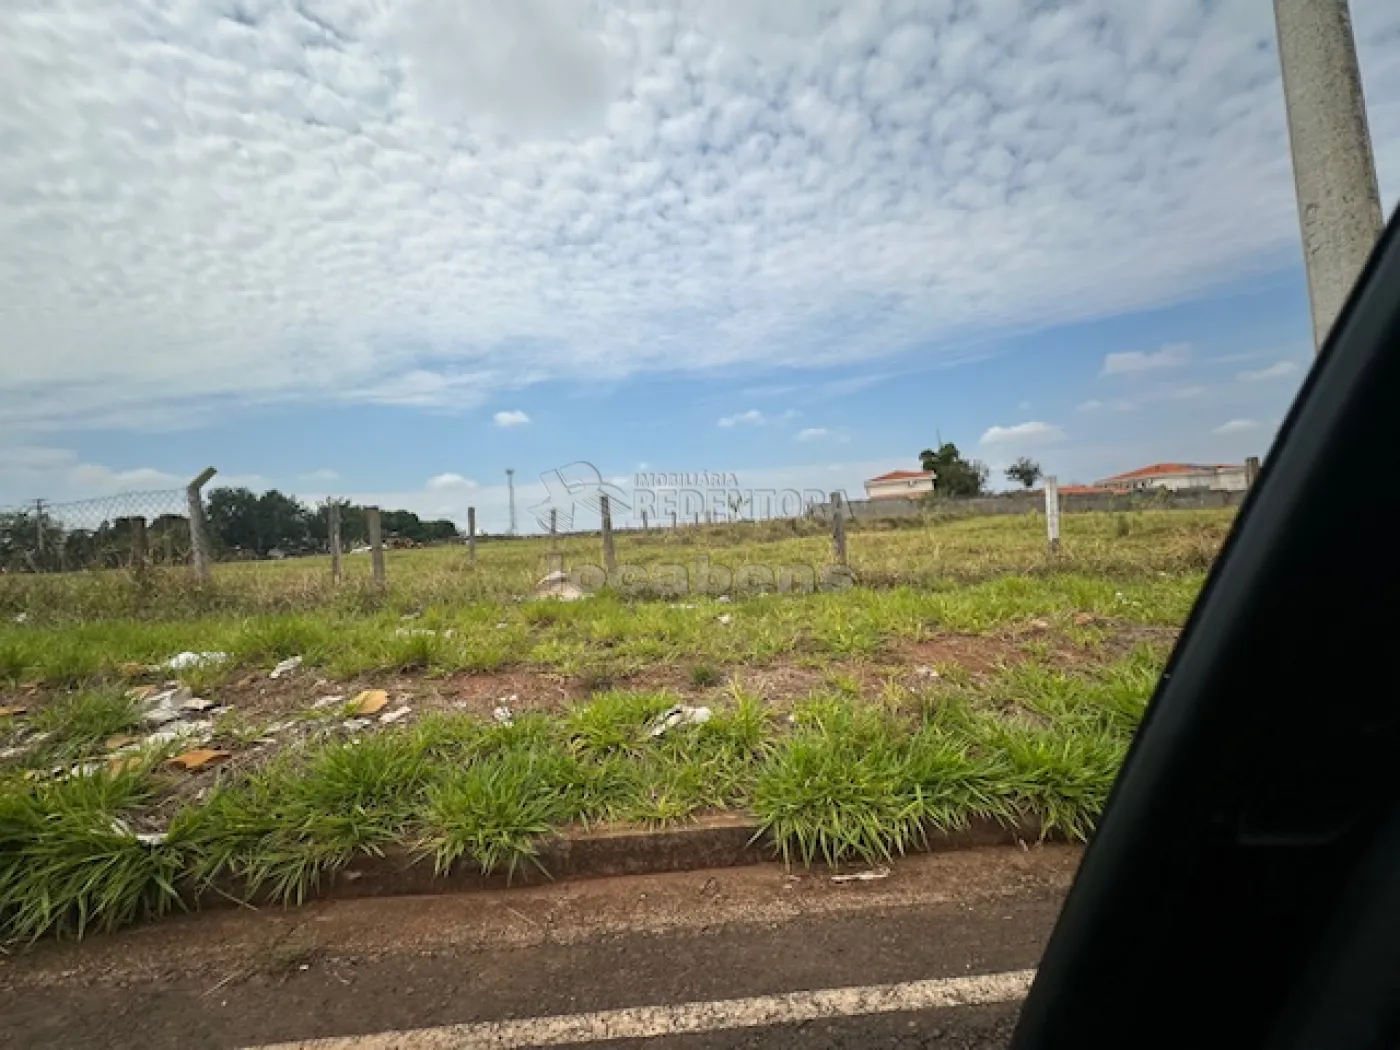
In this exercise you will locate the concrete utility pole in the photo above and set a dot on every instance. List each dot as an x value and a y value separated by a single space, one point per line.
510 487
1333 169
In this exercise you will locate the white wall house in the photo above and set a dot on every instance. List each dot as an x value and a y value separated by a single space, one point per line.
1179 477
900 484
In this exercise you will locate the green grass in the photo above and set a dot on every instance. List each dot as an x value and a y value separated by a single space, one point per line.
78 724
848 777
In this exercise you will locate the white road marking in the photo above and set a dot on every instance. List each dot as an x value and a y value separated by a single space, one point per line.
643 1022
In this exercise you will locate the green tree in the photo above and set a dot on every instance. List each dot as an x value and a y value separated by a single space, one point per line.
283 523
1026 471
954 475
233 518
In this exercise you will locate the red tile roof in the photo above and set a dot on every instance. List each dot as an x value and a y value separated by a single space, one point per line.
901 475
1157 470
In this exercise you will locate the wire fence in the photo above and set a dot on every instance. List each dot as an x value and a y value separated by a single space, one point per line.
131 528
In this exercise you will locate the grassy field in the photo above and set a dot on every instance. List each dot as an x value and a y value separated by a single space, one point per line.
968 674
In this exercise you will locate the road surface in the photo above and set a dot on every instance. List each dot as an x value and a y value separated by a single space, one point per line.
936 955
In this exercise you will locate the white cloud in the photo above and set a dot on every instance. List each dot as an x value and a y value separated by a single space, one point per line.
426 204
1236 426
322 476
511 418
1092 405
1173 355
448 482
97 478
1281 370
813 434
1023 434
753 416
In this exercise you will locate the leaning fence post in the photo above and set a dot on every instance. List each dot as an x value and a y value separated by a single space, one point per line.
471 533
609 555
838 529
199 530
333 533
376 543
1052 513
138 546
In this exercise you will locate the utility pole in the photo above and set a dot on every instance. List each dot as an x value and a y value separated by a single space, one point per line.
1334 171
510 486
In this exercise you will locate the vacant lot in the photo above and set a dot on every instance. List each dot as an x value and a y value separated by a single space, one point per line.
968 674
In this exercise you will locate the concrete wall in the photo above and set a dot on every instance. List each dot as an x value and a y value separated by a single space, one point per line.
1034 503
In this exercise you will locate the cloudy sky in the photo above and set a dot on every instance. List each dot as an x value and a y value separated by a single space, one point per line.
388 248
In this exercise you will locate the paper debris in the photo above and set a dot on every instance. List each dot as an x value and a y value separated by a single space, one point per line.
925 671
558 585
726 619
199 758
166 706
187 660
502 714
369 702
356 725
22 617
681 714
873 875
196 704
398 714
328 701
286 667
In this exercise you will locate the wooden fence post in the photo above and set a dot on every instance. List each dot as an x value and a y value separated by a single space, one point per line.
199 529
609 555
333 532
1052 513
838 529
376 543
471 533
139 550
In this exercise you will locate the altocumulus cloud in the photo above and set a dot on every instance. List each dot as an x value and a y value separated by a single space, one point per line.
511 418
1174 355
753 417
421 204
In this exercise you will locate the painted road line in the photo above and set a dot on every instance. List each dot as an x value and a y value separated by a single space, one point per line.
642 1022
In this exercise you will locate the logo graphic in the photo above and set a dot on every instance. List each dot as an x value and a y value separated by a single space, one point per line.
576 485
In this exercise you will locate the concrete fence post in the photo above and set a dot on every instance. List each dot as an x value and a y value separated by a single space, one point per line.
471 533
553 528
674 523
838 529
333 535
609 555
1251 471
644 522
1052 513
199 526
376 543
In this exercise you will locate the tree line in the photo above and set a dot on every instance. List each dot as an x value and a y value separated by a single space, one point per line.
240 523
244 522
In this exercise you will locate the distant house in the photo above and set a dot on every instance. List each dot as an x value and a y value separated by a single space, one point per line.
1180 477
900 484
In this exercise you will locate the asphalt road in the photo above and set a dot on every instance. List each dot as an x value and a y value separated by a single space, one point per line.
750 957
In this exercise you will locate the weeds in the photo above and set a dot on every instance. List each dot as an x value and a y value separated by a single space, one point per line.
78 724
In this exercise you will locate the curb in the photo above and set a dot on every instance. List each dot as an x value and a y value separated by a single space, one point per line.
716 841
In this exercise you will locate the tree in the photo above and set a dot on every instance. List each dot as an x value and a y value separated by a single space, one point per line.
283 523
954 475
233 518
1026 471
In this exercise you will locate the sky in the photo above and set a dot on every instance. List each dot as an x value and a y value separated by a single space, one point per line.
386 250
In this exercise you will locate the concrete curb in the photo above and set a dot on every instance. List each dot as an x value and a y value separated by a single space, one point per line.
716 841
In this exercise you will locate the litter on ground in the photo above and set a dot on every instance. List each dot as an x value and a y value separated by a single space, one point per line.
873 875
286 667
396 715
369 702
680 715
558 585
187 660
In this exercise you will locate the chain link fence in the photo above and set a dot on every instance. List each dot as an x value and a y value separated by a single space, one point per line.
132 528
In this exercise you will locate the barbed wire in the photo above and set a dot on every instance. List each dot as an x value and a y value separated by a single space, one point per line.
95 533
